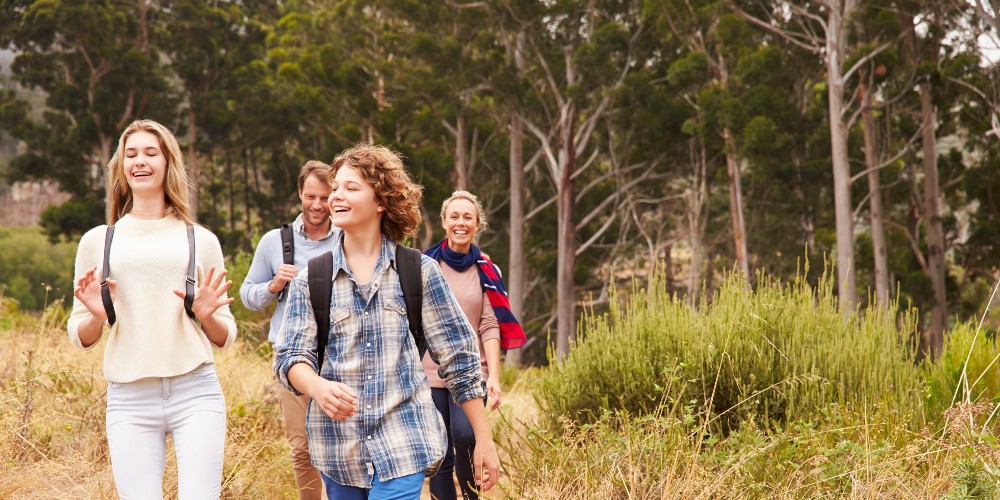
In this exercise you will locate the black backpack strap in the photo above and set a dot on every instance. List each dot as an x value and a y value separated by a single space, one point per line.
189 279
109 306
408 268
320 288
287 252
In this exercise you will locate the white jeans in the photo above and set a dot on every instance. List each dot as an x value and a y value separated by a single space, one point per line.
140 414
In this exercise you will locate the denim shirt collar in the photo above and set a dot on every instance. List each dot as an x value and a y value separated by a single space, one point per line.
386 258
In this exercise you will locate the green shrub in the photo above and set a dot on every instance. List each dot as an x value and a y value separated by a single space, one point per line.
34 271
973 480
946 381
250 322
783 352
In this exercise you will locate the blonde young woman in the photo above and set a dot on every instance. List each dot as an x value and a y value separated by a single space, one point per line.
373 429
477 286
158 357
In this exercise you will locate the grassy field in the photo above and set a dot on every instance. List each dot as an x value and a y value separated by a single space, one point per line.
53 445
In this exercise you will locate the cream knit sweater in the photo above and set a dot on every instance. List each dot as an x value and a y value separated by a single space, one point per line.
153 336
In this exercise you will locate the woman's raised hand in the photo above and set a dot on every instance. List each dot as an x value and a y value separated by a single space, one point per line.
87 290
211 295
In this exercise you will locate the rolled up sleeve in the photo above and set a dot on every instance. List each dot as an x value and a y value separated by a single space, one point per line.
298 330
451 341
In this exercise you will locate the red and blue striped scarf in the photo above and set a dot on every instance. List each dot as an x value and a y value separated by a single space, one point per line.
511 334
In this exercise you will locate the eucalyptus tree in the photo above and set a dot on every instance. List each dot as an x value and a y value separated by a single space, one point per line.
934 46
98 70
577 54
205 42
712 38
825 28
453 57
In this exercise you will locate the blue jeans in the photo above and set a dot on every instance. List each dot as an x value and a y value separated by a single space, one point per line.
461 444
401 488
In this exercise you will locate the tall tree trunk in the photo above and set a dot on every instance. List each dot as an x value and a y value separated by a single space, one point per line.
516 271
695 198
192 157
736 205
566 239
836 40
230 175
518 267
932 218
461 154
247 208
879 250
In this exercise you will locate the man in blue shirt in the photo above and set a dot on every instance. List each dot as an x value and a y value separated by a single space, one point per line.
313 234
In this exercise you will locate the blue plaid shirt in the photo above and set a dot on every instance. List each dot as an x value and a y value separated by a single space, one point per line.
397 430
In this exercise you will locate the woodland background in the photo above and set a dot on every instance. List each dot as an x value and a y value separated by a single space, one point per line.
754 244
605 137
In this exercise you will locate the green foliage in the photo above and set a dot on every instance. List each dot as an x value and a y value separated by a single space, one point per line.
249 320
973 480
34 271
966 370
73 218
781 353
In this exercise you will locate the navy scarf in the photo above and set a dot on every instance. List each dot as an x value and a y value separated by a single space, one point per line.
511 334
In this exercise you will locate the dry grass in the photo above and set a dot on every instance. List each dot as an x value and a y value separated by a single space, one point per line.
53 445
52 400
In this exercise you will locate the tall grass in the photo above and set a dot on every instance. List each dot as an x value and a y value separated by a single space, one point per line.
781 353
52 401
765 394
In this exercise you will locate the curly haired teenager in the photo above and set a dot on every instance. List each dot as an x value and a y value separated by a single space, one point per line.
374 431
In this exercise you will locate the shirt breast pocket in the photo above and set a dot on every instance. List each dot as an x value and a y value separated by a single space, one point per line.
339 321
395 316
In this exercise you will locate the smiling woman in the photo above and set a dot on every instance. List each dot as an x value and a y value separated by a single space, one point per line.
477 286
158 357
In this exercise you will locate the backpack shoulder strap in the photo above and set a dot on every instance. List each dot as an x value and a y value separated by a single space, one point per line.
408 268
320 288
287 252
189 279
109 306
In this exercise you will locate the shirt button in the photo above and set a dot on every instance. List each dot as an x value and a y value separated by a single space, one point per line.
369 437
369 407
366 313
369 344
369 377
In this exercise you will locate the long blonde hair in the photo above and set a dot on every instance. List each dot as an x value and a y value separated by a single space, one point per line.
176 184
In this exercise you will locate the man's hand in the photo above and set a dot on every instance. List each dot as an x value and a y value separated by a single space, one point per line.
281 278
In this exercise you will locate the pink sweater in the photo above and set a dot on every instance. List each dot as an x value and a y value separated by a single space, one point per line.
470 295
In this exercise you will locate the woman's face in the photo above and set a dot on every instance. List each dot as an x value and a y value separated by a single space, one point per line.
145 163
461 222
352 202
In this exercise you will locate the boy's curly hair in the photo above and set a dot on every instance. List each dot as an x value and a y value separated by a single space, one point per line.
382 168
